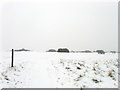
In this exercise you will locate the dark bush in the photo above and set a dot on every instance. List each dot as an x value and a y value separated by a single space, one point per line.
63 50
112 51
51 50
100 51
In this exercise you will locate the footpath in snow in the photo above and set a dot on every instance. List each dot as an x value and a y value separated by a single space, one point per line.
59 70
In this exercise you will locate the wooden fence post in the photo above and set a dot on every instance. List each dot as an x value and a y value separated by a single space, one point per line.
12 57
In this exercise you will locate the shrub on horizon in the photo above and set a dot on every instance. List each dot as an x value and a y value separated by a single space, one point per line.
63 50
100 51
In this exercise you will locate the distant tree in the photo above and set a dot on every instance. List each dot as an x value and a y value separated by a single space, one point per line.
51 50
94 51
22 50
112 51
63 50
72 51
87 51
100 51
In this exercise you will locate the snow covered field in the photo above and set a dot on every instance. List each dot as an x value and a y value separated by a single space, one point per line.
59 70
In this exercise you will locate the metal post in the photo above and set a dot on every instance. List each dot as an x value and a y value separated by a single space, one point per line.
12 57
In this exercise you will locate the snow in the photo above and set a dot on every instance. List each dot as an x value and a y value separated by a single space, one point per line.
59 70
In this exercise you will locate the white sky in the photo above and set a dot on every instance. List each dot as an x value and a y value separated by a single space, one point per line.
43 24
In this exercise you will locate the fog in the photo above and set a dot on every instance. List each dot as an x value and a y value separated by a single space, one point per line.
73 24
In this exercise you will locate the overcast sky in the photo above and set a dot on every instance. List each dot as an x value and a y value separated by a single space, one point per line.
73 24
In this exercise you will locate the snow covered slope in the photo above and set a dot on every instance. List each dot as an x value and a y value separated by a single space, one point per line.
59 70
